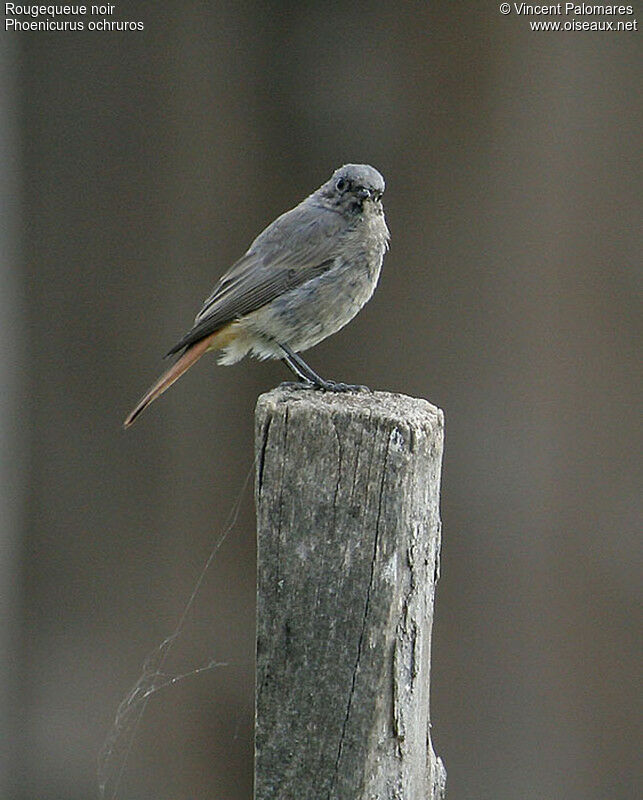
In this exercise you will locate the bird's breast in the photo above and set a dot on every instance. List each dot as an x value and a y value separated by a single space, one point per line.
306 314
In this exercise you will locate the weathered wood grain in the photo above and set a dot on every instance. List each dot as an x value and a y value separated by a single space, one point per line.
348 526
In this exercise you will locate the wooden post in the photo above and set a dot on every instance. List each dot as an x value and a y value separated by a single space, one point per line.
348 529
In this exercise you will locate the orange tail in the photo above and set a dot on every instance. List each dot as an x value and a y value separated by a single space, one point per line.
191 356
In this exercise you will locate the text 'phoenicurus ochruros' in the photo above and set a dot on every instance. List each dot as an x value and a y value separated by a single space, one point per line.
302 279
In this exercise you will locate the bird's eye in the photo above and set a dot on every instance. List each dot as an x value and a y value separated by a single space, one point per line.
341 184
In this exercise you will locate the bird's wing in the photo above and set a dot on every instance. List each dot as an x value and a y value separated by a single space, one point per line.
296 247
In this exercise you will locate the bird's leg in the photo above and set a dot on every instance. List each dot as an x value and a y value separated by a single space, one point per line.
304 381
311 378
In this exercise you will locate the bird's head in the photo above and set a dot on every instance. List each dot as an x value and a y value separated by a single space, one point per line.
353 188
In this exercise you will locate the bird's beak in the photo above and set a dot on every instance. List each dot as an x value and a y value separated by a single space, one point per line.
363 193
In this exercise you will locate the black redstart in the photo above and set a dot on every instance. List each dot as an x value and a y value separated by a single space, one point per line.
303 278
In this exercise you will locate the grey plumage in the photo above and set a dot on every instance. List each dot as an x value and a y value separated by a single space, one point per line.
302 279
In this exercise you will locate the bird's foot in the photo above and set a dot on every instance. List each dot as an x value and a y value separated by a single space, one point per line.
325 386
335 386
297 385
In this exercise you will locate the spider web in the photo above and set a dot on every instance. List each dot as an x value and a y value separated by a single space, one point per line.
114 754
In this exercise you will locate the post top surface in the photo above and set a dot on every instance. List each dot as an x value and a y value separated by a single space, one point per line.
380 405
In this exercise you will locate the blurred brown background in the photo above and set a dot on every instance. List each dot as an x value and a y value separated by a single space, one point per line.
135 168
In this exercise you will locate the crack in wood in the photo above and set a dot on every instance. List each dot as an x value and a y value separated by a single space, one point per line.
262 455
364 618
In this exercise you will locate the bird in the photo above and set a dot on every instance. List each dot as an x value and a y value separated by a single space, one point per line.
301 280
